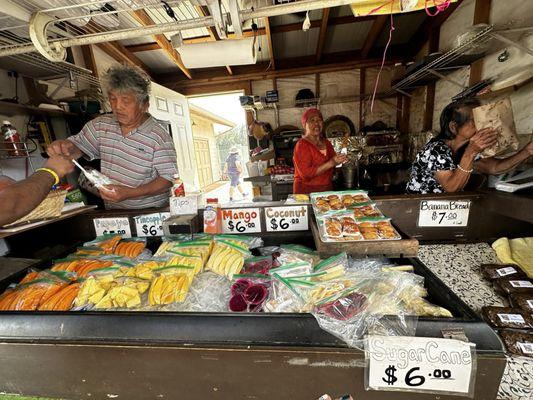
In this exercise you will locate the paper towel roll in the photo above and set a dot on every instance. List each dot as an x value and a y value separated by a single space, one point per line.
219 53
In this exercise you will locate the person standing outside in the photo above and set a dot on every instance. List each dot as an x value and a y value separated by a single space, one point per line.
233 170
135 151
314 157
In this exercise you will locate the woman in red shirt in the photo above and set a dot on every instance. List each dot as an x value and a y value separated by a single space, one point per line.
314 157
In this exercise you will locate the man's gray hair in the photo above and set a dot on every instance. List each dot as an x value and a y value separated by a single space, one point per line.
126 78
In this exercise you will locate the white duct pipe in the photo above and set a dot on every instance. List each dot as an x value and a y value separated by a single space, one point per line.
270 11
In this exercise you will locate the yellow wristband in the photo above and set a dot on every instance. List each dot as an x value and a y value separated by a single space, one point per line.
51 172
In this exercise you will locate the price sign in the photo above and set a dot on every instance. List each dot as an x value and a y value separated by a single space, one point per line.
241 220
280 219
150 224
417 364
444 213
119 226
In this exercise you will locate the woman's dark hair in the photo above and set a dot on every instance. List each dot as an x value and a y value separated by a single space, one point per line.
455 112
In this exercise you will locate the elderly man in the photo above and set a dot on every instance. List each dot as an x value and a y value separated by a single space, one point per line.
135 151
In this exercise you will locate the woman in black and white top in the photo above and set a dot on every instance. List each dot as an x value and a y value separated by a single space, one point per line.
446 162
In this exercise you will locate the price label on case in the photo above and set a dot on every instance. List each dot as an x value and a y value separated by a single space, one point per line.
417 364
241 220
119 226
150 224
439 213
283 219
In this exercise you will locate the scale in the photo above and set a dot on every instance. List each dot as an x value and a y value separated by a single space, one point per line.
521 181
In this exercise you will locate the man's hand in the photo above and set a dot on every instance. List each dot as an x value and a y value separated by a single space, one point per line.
61 165
483 139
116 193
63 148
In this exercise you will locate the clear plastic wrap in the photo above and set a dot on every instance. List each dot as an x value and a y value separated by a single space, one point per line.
29 296
176 257
370 303
258 265
301 252
295 268
107 242
249 292
251 242
227 258
131 248
334 267
208 292
287 296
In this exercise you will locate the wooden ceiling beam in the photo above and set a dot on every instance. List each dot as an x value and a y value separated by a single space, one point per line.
270 43
89 60
203 11
144 19
322 35
373 34
348 19
431 24
116 50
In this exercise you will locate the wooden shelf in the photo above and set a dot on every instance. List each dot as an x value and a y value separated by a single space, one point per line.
5 232
405 247
10 109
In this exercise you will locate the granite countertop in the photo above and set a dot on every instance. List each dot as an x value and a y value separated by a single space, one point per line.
456 265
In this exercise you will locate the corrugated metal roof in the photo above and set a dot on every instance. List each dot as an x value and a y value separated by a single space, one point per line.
347 37
295 43
405 25
157 60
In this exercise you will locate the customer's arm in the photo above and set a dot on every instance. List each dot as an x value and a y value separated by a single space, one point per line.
455 179
495 166
22 197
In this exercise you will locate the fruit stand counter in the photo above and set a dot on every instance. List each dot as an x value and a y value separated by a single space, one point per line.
210 355
146 355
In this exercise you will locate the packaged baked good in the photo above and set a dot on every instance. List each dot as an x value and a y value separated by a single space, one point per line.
518 343
507 317
366 210
514 285
350 228
498 271
522 301
333 227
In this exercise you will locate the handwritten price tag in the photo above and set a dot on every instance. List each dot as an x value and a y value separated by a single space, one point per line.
443 213
150 224
119 226
283 219
416 364
241 220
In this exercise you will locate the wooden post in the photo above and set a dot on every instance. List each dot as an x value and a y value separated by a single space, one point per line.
362 83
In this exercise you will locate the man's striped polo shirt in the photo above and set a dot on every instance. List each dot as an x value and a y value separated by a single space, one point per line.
132 160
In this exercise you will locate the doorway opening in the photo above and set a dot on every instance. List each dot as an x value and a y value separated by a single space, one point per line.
220 138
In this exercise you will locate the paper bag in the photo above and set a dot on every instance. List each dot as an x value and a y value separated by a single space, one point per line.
499 116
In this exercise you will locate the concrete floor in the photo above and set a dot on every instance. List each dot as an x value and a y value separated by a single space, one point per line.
222 194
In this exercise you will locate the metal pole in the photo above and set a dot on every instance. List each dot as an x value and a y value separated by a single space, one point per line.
444 77
270 11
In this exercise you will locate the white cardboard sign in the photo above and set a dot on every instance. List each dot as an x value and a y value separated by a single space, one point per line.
118 225
284 219
150 224
439 213
241 220
417 364
184 205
